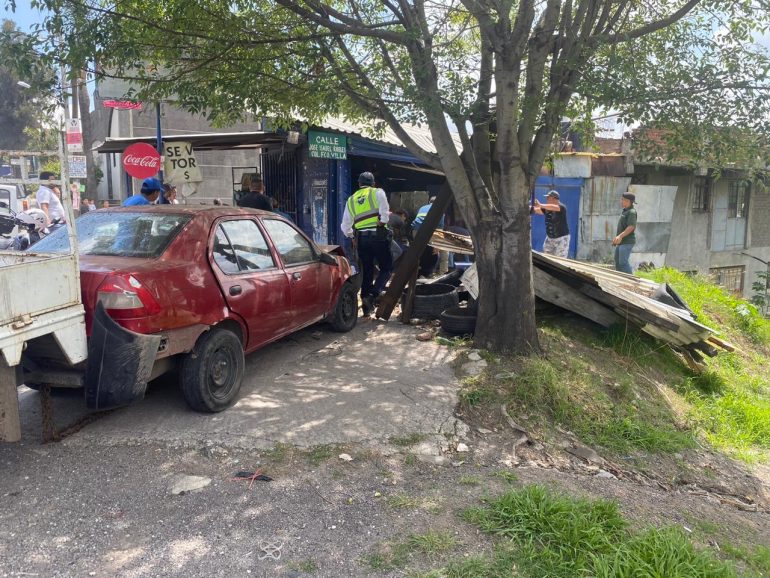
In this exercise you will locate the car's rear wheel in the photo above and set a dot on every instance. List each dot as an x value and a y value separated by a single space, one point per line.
211 374
346 311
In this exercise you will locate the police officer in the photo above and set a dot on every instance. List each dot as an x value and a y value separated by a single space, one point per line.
365 221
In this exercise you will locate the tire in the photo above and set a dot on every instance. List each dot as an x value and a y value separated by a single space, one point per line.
345 314
431 299
459 320
211 374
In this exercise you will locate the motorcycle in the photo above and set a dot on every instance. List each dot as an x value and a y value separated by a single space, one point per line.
31 228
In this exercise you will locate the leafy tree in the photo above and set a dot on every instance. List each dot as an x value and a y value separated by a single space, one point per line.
503 73
25 113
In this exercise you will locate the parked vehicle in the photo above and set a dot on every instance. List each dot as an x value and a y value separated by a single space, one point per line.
194 288
18 232
13 198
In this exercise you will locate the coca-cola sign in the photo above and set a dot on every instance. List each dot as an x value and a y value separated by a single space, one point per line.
141 160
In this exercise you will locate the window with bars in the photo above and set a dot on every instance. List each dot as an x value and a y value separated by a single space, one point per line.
702 196
730 278
737 199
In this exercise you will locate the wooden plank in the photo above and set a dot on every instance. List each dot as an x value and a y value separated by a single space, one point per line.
550 289
406 312
10 422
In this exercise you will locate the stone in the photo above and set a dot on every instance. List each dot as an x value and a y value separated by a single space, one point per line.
184 484
426 336
462 448
346 457
473 356
432 460
606 474
484 431
474 367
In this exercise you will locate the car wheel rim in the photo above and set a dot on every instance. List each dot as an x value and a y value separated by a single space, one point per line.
222 368
349 306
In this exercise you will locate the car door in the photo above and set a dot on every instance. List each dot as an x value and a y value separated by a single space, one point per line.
253 284
307 275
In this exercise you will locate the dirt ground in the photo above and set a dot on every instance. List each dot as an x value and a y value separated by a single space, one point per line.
100 502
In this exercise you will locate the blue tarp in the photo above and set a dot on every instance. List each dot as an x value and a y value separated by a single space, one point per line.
569 192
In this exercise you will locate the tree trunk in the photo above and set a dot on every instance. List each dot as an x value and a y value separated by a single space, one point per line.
506 304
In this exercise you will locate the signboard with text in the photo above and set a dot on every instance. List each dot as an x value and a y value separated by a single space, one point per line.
77 166
179 164
327 145
141 160
74 136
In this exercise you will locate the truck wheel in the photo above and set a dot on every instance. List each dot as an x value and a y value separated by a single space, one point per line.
345 313
211 374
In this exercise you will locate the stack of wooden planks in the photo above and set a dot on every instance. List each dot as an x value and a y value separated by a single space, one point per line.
609 297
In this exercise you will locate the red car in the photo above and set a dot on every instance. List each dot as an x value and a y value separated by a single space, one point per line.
194 288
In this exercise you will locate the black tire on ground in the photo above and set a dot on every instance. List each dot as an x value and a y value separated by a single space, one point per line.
431 299
345 314
459 320
211 374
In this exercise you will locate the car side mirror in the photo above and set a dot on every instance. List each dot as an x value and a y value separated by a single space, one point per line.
328 259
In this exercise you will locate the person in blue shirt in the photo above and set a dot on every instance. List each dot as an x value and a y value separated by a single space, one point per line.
422 213
151 189
430 257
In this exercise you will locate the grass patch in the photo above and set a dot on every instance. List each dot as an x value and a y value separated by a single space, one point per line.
396 555
408 441
574 396
756 559
320 454
545 534
506 475
469 480
407 502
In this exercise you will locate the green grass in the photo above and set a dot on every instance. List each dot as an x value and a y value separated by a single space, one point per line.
469 480
541 533
306 566
757 559
731 399
571 396
396 555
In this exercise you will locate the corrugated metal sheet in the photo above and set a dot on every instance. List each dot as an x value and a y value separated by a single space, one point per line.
379 131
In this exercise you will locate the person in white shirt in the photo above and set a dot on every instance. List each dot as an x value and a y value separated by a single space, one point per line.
48 201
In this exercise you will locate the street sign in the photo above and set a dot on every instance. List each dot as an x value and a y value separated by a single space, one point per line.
122 104
327 145
77 167
74 136
141 160
179 165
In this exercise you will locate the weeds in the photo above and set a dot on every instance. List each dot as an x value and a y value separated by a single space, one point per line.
397 555
545 534
409 440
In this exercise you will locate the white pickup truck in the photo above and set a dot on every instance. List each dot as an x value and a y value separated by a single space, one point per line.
40 308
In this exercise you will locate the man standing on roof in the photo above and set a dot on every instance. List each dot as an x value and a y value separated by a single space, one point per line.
556 228
365 220
150 192
626 234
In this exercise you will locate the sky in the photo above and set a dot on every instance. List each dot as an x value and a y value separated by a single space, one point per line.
25 16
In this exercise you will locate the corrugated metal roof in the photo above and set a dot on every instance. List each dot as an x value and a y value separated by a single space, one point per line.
421 135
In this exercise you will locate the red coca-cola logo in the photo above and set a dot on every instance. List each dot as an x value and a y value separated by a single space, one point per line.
141 160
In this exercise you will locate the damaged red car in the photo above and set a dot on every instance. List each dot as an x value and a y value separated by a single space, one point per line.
191 289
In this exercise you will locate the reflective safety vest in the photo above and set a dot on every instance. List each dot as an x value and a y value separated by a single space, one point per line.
364 209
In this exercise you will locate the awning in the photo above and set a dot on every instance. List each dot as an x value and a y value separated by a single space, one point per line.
201 141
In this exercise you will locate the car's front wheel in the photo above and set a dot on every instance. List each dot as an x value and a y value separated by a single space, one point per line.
345 313
211 374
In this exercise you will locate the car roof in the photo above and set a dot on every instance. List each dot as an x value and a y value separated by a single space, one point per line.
210 210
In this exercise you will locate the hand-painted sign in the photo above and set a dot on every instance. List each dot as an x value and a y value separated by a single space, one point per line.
77 167
180 165
327 145
141 160
74 136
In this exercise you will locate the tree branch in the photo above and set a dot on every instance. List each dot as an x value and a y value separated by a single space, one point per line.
648 28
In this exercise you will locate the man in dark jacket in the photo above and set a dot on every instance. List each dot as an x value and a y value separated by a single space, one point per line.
256 197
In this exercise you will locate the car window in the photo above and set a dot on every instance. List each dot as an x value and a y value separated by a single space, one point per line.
247 244
5 200
118 234
224 255
289 242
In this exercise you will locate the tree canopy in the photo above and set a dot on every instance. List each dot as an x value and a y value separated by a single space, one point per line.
503 73
25 112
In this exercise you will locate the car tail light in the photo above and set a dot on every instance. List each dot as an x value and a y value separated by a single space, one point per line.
124 297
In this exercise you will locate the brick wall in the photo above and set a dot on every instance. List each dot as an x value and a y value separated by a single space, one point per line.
759 210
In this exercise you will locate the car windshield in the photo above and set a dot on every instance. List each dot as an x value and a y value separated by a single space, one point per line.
118 234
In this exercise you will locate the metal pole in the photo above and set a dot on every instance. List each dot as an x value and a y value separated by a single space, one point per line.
159 140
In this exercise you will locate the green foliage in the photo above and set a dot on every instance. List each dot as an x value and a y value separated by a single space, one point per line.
396 555
761 292
25 113
550 534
